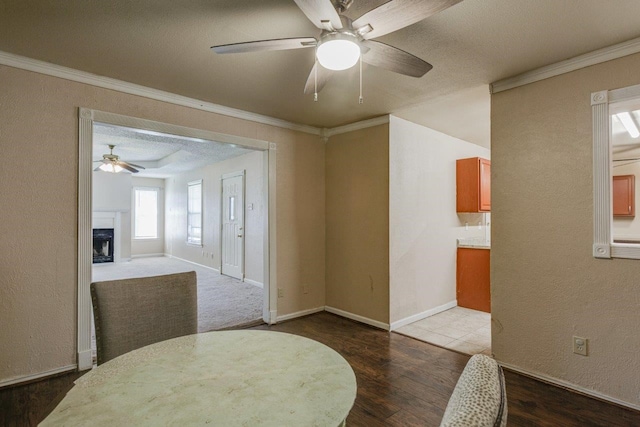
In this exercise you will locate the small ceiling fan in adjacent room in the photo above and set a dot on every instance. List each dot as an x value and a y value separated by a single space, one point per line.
343 42
112 163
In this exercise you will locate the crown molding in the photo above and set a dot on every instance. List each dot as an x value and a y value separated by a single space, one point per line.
37 66
592 58
327 133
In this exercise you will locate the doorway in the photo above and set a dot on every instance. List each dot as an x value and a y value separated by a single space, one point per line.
232 241
89 118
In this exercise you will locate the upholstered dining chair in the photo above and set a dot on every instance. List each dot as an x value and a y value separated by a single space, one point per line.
479 398
132 313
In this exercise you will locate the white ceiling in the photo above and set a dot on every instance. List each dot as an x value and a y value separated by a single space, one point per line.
164 44
162 155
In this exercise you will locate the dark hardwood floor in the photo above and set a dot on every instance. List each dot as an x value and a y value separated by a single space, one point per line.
401 382
406 382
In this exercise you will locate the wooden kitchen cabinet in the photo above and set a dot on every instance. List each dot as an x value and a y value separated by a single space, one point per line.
473 288
473 185
624 191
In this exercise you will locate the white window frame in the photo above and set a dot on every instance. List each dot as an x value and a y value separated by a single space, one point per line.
193 240
603 245
135 213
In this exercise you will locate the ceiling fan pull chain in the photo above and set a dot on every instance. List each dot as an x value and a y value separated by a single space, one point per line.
361 100
315 78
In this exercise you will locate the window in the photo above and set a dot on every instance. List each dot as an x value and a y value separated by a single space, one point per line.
194 213
614 142
145 213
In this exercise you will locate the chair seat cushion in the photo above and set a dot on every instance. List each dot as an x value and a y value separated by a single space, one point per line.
479 398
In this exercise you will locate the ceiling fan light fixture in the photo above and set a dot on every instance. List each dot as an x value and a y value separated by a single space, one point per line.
110 167
338 53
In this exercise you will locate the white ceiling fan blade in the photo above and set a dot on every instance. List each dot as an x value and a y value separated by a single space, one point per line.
397 14
323 77
320 10
393 59
131 164
265 45
125 165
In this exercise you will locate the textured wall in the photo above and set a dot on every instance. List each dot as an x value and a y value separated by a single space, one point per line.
424 225
546 285
38 276
357 173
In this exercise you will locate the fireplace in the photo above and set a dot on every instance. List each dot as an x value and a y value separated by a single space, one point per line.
102 245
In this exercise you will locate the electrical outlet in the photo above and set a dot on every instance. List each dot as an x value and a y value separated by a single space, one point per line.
580 345
280 293
305 288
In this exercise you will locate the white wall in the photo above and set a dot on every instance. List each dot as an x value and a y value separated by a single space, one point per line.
112 193
145 247
423 223
209 253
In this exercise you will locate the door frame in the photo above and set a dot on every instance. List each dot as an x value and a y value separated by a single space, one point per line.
243 174
87 117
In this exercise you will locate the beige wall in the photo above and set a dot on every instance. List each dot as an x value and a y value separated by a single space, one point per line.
357 176
546 285
38 276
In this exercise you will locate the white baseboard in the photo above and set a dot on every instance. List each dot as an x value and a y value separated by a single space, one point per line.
254 283
299 314
357 318
191 262
148 255
433 311
569 386
27 378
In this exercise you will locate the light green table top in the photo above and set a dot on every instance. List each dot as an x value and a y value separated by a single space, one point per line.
230 378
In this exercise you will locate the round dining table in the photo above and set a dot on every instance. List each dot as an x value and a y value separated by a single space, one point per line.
227 378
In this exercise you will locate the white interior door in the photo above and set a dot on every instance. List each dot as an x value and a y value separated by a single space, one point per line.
233 225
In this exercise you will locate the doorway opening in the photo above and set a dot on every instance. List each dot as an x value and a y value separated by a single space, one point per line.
158 219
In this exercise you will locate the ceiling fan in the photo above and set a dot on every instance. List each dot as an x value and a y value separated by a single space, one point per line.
112 163
343 42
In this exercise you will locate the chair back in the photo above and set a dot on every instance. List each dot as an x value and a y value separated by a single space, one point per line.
132 313
479 398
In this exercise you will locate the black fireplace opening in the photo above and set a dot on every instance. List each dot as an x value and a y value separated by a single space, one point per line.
102 245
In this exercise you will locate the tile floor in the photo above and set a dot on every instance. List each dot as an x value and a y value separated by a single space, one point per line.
461 329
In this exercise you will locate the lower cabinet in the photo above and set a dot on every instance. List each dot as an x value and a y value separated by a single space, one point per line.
472 279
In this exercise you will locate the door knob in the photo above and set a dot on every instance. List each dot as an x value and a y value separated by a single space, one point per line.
239 235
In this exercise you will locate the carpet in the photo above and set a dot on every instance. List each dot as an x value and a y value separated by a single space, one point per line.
223 302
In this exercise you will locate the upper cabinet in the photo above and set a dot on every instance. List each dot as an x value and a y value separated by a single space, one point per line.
624 189
473 185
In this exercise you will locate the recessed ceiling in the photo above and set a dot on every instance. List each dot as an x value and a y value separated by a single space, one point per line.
164 44
162 155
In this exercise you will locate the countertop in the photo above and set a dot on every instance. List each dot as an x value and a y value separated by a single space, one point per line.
474 243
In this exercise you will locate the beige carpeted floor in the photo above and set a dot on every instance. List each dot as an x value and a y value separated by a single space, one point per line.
223 302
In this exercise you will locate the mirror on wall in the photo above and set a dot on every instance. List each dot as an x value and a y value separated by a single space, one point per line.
616 172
